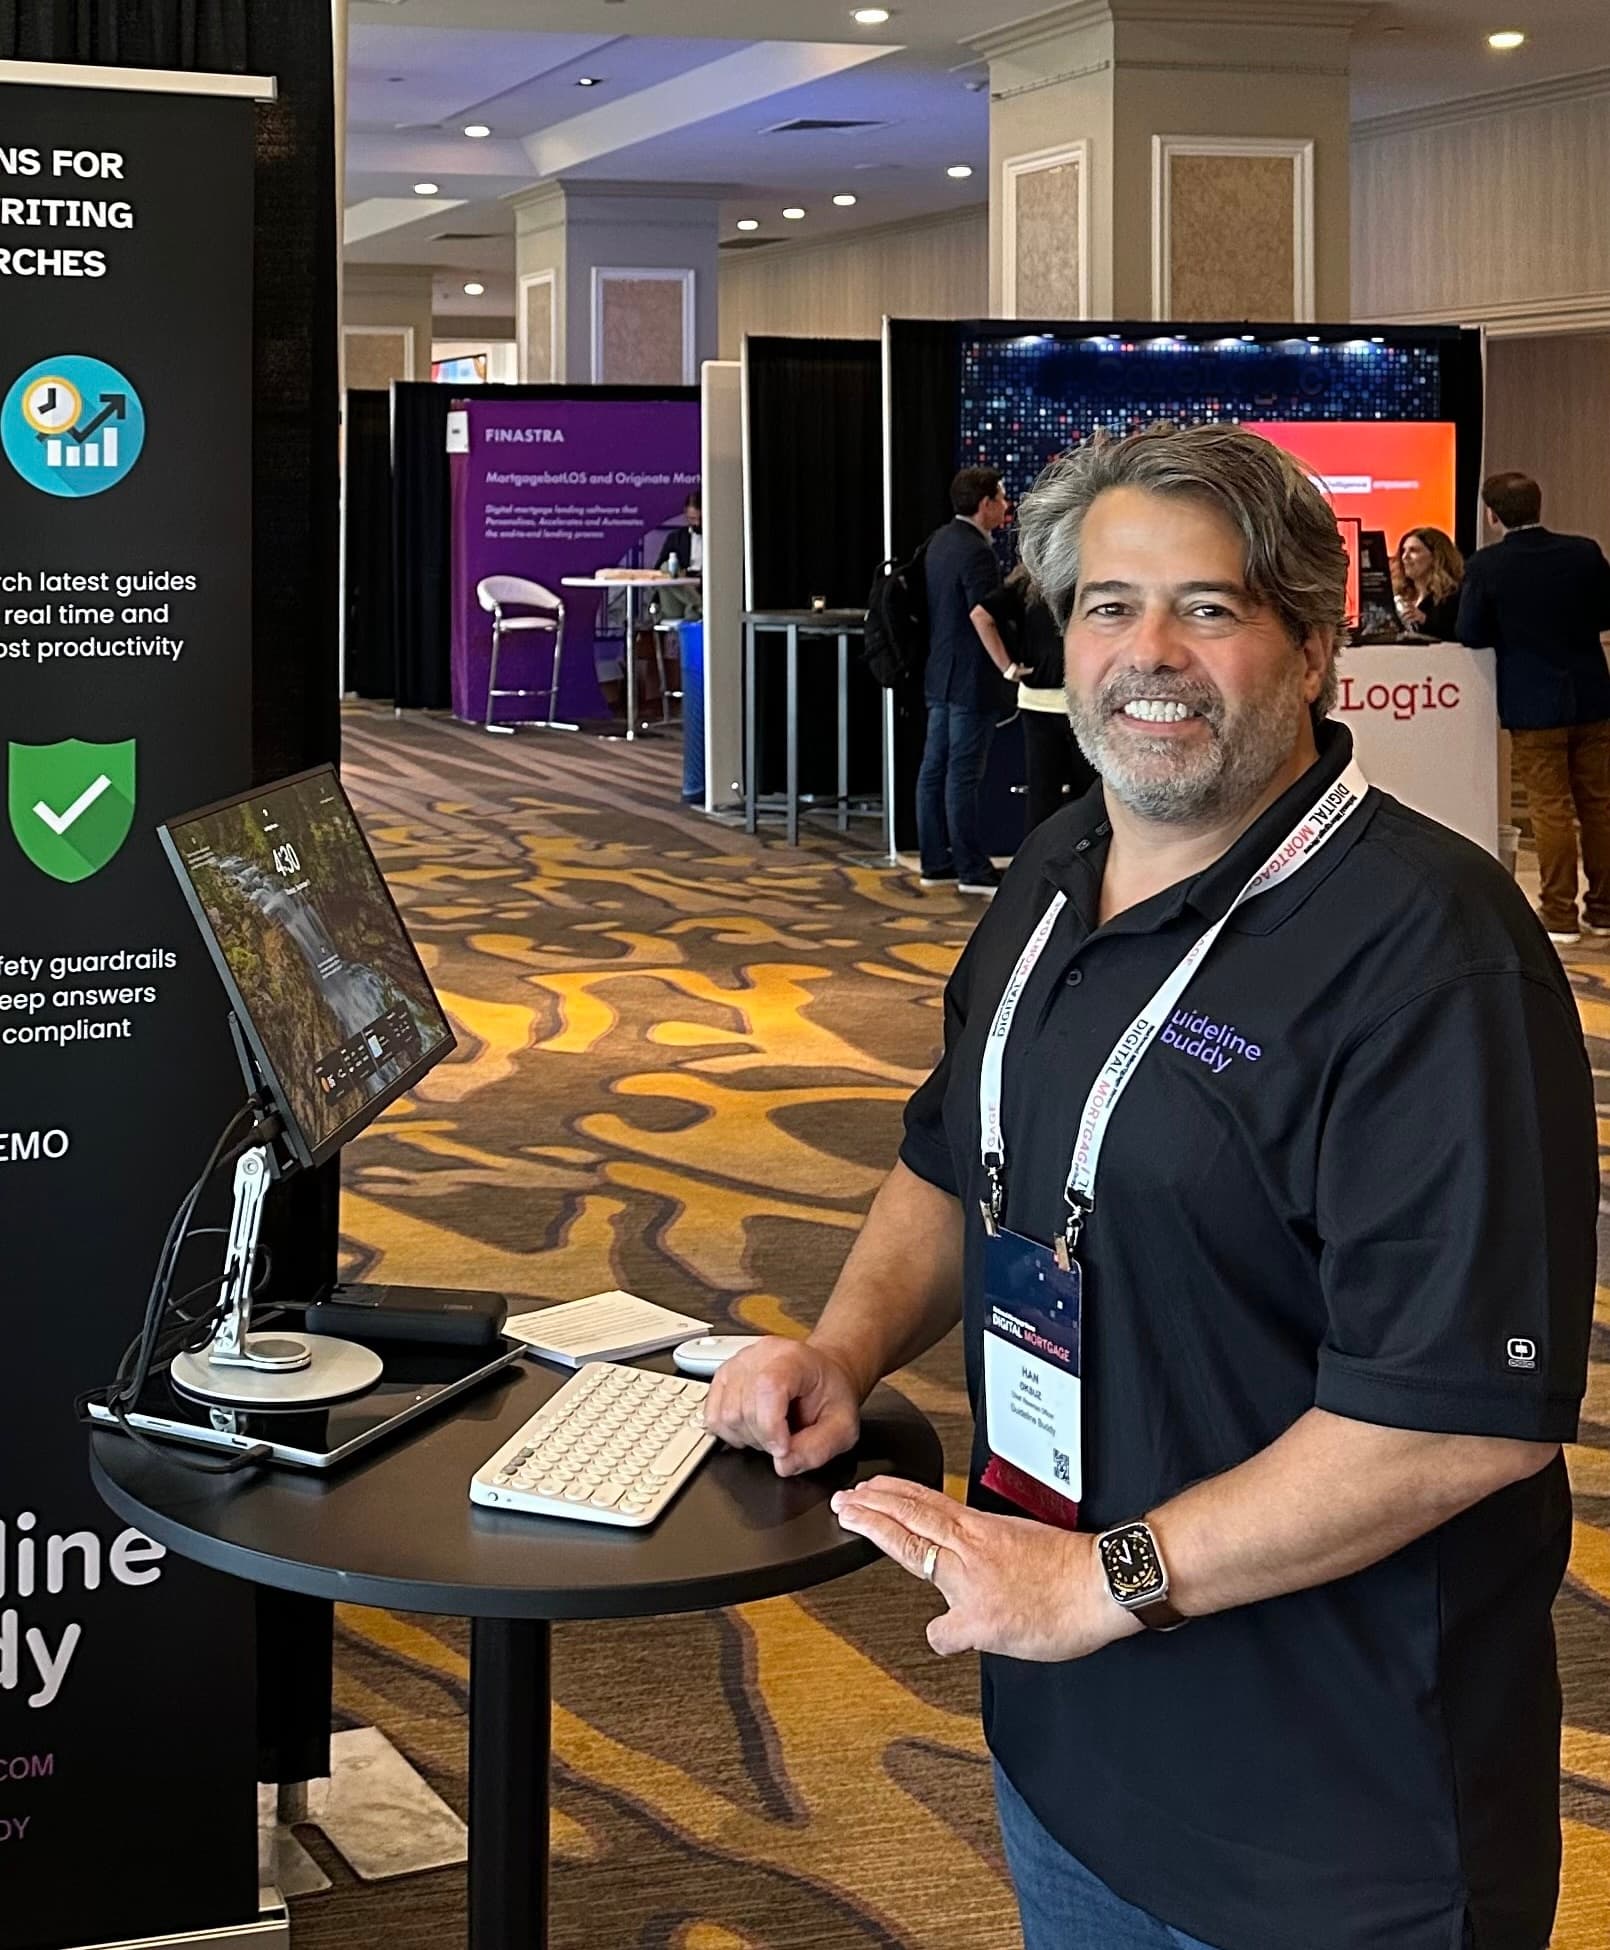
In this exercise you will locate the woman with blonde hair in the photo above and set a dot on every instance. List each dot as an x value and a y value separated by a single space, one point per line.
1427 572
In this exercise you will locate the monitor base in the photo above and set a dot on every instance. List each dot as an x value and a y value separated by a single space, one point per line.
336 1370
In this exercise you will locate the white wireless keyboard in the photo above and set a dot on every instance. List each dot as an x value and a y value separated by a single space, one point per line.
613 1446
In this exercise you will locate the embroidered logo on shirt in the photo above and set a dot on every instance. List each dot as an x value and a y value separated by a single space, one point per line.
1216 1044
1522 1352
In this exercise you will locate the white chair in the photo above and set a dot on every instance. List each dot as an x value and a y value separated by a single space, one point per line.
499 595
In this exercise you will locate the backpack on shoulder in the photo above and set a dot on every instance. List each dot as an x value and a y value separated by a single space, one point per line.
897 622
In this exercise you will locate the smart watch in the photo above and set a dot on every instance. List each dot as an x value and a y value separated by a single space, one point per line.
1136 1575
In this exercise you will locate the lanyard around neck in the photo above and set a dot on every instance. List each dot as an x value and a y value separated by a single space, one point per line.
1325 818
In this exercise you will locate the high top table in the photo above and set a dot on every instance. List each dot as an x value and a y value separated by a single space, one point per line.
395 1528
793 625
632 584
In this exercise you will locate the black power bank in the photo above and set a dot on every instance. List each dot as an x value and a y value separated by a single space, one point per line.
427 1315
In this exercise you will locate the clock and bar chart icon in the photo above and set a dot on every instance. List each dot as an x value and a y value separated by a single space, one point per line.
54 408
72 425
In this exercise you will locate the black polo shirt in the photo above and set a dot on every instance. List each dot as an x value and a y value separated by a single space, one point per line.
1361 1174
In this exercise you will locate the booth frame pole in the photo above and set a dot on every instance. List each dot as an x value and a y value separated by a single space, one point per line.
889 858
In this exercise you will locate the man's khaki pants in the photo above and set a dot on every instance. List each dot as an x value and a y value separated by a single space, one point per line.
1566 773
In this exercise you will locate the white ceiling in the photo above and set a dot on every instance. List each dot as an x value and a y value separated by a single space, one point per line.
683 99
914 23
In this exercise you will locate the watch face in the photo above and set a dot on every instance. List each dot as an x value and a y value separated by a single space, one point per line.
1134 1570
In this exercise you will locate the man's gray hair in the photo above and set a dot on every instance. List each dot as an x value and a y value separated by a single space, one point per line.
1295 561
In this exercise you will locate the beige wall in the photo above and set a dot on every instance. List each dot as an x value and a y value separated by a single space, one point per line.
380 295
933 268
1548 414
1492 214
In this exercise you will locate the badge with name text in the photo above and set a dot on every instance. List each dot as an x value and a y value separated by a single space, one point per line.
1032 1409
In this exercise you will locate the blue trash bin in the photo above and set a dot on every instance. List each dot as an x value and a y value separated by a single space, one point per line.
692 635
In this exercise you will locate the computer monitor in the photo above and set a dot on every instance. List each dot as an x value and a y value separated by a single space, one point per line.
1378 615
1352 532
331 996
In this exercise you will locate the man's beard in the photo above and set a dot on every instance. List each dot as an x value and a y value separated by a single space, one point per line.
1184 783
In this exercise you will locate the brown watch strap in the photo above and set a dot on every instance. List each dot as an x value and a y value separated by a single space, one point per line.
1160 1616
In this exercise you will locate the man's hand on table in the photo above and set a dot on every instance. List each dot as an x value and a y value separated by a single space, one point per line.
795 1401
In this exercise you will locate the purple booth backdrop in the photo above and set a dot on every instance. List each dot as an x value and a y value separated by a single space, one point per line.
552 488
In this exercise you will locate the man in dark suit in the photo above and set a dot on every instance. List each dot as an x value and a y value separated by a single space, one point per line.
962 683
682 554
1540 601
684 545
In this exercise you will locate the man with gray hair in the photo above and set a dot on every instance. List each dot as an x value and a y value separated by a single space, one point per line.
1260 1172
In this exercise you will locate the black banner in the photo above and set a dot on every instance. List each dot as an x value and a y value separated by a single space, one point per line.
127 1742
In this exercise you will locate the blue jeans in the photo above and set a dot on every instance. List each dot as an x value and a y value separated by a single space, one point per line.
948 837
1063 1906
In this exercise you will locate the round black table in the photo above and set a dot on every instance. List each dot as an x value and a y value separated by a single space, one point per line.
395 1527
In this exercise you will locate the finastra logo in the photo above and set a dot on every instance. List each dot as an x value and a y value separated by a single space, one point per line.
526 436
1217 1044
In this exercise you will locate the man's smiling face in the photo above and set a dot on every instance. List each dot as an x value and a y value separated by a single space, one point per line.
1186 692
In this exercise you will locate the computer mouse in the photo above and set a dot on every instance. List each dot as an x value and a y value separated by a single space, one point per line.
707 1353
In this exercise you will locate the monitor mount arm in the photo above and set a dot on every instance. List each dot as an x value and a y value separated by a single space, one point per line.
239 1369
234 1346
256 1171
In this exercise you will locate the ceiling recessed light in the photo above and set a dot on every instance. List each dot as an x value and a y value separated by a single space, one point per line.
425 189
749 223
475 291
588 80
476 130
959 170
793 213
870 16
845 201
1506 39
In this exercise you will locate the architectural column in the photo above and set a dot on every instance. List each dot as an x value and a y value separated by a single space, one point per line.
615 283
386 323
1171 159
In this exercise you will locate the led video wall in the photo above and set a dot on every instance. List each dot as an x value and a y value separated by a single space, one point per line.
1374 416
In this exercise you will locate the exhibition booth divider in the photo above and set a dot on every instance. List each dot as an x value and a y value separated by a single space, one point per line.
368 637
713 748
168 589
1388 418
421 514
813 469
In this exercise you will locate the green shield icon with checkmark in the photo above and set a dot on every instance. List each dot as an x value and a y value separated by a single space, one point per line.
71 804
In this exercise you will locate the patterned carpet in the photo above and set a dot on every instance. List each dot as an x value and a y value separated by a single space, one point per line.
684 1056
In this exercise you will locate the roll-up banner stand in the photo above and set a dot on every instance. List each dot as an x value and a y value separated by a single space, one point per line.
127 1737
